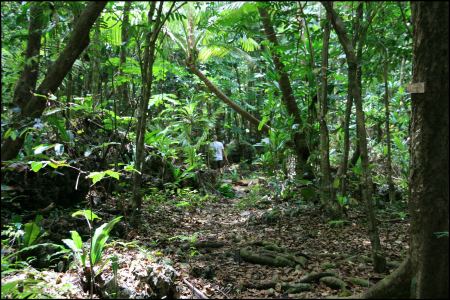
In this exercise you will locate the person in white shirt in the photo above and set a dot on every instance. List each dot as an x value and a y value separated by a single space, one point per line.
218 154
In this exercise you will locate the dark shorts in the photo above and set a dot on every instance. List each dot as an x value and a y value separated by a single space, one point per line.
217 164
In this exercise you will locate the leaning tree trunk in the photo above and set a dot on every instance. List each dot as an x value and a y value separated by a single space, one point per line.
288 98
327 192
379 261
425 270
214 89
78 41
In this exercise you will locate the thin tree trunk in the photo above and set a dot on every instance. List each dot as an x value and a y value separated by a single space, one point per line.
378 258
301 147
95 58
123 88
388 134
327 192
342 172
78 41
147 80
155 22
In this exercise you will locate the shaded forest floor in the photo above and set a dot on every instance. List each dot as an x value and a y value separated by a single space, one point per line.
219 271
203 243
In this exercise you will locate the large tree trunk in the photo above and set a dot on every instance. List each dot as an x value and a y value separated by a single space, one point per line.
301 147
327 193
427 274
379 261
78 41
429 180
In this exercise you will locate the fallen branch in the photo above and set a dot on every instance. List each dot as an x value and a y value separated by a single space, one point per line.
196 291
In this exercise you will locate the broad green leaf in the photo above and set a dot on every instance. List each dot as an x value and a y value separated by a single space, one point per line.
87 213
37 165
99 239
41 148
113 174
76 238
96 176
32 232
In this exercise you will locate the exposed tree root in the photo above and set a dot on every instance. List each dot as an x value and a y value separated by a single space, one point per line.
395 285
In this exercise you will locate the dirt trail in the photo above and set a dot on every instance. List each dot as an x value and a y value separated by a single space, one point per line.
204 243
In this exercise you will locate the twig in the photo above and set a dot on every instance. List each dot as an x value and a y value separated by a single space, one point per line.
195 290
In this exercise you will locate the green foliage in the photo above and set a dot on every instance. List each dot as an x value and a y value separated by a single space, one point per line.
97 176
337 223
98 242
226 190
441 234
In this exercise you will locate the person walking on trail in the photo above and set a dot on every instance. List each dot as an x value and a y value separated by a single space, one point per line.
218 154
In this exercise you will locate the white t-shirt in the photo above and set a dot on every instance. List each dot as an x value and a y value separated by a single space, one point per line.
217 148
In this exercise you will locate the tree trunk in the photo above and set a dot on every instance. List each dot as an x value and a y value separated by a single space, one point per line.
378 258
155 23
29 76
301 147
388 134
224 98
78 41
429 178
327 192
425 270
147 80
96 71
342 172
123 88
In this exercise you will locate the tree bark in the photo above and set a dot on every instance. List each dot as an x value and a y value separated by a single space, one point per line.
378 258
327 194
288 98
147 80
96 69
123 88
426 268
29 76
429 176
388 134
78 41
155 23
342 172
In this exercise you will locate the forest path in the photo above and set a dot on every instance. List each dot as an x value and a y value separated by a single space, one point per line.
204 242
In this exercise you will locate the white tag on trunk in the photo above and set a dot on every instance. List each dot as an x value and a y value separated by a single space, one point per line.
416 88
